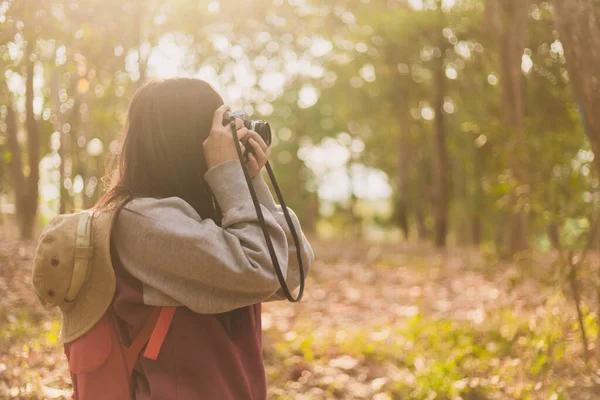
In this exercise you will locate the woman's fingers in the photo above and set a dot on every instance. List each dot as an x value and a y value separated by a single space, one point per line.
219 145
252 164
239 123
218 116
259 153
242 134
257 138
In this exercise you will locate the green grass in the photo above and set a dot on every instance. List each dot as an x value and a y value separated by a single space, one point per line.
509 356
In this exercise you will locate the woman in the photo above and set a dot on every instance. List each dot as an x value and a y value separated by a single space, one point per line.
170 246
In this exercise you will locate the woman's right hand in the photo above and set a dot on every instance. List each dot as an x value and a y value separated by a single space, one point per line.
219 146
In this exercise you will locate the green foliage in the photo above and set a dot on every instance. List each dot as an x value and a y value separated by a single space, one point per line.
439 358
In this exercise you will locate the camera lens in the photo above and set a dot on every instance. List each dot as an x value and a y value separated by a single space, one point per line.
263 129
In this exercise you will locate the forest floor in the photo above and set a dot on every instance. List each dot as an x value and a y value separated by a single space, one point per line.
379 321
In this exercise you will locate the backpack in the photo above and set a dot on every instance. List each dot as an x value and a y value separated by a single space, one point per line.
100 363
73 271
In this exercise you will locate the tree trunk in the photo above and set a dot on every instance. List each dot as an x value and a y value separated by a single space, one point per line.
578 23
423 195
355 215
403 158
461 215
421 224
573 281
553 232
477 208
25 177
508 21
30 199
15 164
442 188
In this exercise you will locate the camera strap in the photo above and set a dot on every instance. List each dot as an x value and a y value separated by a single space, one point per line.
263 225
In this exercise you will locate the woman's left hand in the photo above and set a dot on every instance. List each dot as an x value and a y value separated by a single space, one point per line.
257 159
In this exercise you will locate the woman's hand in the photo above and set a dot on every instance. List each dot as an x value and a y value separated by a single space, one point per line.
219 146
258 157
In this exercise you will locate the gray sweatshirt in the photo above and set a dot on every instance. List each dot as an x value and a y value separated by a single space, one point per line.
184 260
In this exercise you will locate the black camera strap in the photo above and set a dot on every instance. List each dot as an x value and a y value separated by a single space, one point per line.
263 225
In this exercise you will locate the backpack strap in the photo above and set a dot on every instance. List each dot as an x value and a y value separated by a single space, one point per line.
159 333
153 333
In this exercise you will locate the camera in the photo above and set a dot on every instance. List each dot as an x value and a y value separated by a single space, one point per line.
260 127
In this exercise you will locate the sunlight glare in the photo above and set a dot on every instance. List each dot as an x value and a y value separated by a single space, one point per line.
526 63
308 96
320 47
234 93
367 72
272 82
214 7
451 72
462 48
209 74
95 147
78 184
243 75
416 4
557 47
428 113
166 60
448 4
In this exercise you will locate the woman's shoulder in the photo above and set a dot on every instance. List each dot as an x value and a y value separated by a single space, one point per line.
169 209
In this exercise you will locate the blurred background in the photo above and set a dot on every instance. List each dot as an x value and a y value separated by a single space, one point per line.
439 153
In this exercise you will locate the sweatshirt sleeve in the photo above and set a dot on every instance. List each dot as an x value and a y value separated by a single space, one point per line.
182 259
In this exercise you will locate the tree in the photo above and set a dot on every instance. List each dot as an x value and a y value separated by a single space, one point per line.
508 22
578 23
25 175
442 173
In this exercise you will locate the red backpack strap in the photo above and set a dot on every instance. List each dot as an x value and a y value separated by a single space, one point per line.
160 331
153 332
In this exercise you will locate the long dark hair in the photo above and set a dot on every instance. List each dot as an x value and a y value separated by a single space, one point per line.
161 153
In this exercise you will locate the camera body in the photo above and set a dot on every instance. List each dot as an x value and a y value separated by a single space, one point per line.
258 126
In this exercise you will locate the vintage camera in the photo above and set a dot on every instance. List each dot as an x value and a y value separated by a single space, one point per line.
260 127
